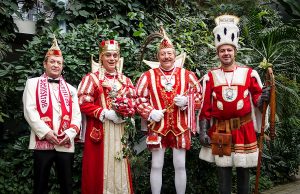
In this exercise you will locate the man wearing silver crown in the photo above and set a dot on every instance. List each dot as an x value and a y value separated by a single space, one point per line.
51 109
228 113
165 95
104 170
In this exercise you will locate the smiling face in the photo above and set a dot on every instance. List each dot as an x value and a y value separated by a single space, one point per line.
109 60
166 58
53 66
226 54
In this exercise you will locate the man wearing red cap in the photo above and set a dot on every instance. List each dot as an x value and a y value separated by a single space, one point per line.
104 169
162 99
51 109
228 118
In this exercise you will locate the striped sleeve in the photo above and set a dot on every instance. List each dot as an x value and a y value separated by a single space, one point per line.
142 102
88 92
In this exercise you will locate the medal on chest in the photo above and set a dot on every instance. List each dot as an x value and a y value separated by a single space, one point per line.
114 91
168 87
229 92
113 86
167 81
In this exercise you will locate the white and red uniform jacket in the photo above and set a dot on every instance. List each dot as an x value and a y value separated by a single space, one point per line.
228 95
49 115
151 94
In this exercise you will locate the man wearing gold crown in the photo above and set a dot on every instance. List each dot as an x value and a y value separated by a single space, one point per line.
163 96
228 116
51 109
103 170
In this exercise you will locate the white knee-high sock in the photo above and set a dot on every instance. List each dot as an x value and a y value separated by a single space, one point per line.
180 173
156 170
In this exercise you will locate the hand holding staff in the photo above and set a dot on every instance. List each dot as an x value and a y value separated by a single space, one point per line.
270 81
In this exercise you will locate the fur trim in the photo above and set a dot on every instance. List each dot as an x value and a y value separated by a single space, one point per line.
246 160
205 154
224 161
236 159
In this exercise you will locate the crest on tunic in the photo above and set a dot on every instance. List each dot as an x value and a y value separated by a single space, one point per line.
229 94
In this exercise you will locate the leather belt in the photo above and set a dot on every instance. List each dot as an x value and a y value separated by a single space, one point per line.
233 123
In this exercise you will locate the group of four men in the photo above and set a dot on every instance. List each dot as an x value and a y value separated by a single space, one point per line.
165 96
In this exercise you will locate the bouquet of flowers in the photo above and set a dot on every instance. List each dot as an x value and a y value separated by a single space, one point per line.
123 106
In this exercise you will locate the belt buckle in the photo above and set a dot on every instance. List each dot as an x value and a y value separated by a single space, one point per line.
235 123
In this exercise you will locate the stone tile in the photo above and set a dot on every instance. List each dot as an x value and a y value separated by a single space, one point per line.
290 188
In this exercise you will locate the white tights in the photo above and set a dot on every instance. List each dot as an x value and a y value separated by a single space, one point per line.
157 166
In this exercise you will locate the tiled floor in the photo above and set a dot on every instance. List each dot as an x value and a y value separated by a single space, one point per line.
290 188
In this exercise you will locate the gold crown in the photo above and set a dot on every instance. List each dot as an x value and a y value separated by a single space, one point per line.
54 50
227 19
109 45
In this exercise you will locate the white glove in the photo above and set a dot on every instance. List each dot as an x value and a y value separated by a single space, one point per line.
180 100
112 115
157 115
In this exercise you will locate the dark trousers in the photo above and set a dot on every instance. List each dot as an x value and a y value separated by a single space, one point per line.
43 161
225 182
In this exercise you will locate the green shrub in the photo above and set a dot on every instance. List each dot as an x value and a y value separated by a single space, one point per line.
129 22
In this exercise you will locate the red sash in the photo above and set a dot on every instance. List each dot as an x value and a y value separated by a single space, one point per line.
45 109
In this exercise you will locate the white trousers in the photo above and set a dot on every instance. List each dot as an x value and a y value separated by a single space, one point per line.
157 166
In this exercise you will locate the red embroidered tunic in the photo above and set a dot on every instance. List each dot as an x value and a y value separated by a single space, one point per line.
229 95
151 94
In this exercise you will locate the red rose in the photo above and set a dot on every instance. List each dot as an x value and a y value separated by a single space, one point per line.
123 106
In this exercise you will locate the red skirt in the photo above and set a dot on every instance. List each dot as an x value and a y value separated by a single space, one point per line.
243 139
182 141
